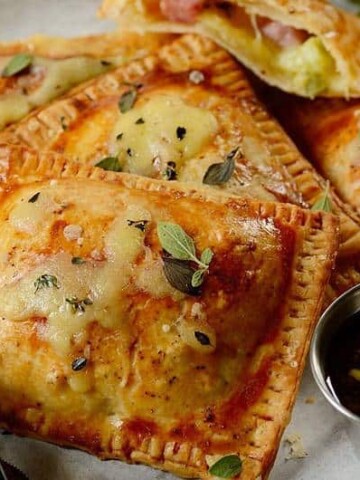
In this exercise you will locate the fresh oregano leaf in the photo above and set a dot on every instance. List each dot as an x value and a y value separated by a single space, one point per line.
198 278
207 256
227 467
175 241
78 261
324 201
127 100
202 338
220 173
17 64
46 281
179 274
109 163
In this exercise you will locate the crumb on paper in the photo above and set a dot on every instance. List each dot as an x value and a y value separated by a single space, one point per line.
296 447
310 400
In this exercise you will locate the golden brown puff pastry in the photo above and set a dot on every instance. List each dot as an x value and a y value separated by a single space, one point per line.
123 364
57 64
329 132
305 47
216 115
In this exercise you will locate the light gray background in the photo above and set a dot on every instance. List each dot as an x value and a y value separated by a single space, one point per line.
332 442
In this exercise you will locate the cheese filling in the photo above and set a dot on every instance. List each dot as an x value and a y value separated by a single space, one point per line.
308 66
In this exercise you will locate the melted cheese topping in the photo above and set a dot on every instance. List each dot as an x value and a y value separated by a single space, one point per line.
160 130
100 281
55 78
117 308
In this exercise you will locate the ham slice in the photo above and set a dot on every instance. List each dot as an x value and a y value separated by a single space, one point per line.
181 10
283 35
186 11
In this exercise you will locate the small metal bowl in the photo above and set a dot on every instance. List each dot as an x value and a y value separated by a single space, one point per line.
329 324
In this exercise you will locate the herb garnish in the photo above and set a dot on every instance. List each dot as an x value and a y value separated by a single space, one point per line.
140 121
78 261
34 198
175 241
227 467
179 274
109 163
170 171
220 173
180 133
17 64
105 63
78 305
119 136
79 364
128 99
47 281
324 201
63 124
139 224
129 152
202 338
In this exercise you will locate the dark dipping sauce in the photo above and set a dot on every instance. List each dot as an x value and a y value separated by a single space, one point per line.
343 355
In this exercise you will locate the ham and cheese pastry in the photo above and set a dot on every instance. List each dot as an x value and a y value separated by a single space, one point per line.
43 68
108 347
187 114
305 47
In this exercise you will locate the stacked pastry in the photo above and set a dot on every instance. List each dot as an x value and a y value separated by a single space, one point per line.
165 247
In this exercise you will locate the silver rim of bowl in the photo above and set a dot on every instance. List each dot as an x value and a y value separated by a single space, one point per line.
315 363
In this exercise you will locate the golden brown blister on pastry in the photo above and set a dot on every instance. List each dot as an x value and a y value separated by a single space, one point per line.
217 115
57 64
305 47
174 380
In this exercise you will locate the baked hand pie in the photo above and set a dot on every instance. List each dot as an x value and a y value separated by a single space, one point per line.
109 345
187 114
36 70
305 47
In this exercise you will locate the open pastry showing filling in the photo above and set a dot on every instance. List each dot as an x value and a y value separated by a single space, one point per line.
35 71
302 47
165 325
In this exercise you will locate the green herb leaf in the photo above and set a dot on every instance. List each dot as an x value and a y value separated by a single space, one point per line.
170 171
79 364
78 261
324 201
179 274
198 278
17 64
220 173
227 467
109 163
180 133
175 241
78 305
127 100
119 136
207 256
46 281
63 123
34 198
139 224
140 121
202 338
